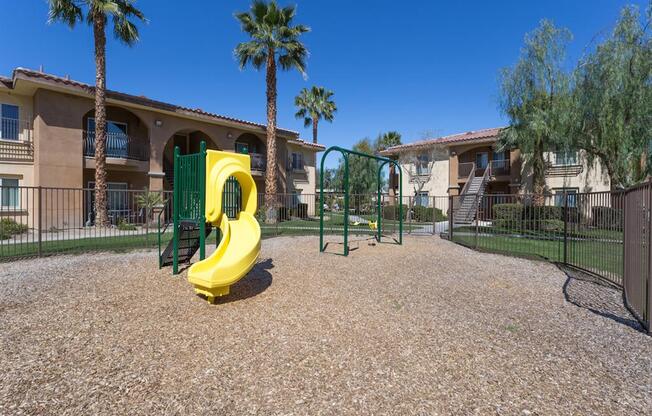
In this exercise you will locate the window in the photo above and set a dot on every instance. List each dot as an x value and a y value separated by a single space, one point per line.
565 158
8 193
117 141
112 127
422 164
421 199
242 148
116 199
571 195
9 125
296 162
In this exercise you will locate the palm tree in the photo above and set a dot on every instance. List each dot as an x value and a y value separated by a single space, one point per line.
273 41
315 104
97 13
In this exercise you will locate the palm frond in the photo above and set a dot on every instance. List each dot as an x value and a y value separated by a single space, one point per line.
65 11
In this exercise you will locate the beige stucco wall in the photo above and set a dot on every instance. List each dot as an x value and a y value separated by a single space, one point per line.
303 182
437 184
591 178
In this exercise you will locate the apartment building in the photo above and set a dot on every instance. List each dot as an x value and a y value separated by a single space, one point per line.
452 165
47 139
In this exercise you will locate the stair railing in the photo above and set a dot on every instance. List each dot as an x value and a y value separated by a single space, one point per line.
480 192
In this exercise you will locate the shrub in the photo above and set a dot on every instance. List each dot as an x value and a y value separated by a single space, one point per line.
539 213
390 212
9 227
607 217
508 215
551 225
125 226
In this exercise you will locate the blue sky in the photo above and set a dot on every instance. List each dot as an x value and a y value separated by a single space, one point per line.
411 66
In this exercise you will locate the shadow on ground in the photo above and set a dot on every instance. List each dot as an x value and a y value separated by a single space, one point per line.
588 292
253 284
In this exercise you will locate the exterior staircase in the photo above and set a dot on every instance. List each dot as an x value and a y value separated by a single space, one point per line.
470 199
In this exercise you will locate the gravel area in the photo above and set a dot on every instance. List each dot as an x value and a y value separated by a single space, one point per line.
426 328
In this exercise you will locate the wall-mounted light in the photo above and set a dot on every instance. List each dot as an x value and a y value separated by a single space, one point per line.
158 123
229 135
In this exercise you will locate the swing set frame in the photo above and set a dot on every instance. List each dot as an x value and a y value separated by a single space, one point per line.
345 155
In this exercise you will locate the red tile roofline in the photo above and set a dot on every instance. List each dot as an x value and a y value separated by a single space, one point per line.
484 135
307 143
30 74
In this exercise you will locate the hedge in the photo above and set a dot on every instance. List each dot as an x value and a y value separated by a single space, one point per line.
9 227
419 213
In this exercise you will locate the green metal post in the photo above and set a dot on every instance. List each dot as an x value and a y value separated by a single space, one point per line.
175 213
400 203
378 216
346 204
202 200
321 204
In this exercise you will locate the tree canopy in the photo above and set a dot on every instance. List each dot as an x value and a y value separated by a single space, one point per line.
313 105
534 96
612 100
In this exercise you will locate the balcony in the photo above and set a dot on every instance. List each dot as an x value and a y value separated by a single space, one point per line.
119 146
496 168
16 143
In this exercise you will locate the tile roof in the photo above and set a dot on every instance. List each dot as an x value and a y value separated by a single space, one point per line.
477 135
139 100
307 143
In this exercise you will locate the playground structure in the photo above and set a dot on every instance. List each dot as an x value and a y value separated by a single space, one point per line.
200 203
375 226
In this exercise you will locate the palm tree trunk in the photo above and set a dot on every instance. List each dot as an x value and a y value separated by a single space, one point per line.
315 122
271 173
101 217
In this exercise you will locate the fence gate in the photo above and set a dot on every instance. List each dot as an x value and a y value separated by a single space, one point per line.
637 252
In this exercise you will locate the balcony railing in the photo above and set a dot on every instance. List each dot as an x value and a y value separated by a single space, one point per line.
258 162
15 129
496 168
16 140
118 145
499 167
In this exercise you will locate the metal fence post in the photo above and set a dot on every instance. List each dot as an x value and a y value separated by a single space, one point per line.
434 215
450 217
477 219
566 227
40 216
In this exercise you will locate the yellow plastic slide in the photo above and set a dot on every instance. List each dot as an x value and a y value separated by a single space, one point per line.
237 252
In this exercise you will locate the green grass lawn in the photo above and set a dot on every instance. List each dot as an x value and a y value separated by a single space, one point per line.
573 232
116 243
601 257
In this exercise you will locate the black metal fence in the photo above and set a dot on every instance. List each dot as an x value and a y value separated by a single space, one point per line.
604 233
36 221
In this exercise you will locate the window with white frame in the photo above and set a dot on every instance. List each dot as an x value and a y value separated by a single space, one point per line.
421 199
9 193
571 194
9 122
564 158
422 164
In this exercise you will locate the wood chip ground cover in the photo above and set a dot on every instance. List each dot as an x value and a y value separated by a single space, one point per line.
429 327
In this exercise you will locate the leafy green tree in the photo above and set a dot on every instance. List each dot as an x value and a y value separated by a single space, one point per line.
315 104
534 96
612 100
273 42
97 13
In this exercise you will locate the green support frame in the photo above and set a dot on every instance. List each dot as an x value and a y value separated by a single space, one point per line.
189 198
345 154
